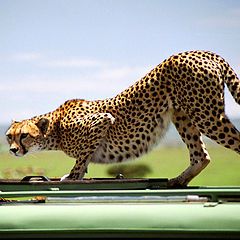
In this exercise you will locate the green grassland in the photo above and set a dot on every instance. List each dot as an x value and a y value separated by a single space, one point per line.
164 162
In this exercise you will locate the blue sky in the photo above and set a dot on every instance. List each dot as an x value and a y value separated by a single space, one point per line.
52 51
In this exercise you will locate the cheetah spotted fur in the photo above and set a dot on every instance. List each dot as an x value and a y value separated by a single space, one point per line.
187 89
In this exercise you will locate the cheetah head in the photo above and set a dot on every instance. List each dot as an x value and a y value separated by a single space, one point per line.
26 136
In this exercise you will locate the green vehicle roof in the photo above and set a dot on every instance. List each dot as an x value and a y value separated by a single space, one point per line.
116 208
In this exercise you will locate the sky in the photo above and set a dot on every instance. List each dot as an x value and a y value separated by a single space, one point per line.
55 50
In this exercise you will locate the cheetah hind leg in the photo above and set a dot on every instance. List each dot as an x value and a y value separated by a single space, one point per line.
89 124
223 132
199 157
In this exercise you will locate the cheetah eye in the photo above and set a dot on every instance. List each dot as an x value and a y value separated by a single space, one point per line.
24 135
9 136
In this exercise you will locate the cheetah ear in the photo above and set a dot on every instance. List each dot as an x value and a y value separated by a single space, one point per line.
43 124
13 121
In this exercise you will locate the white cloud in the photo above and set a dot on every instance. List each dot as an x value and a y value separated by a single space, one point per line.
73 62
24 57
55 61
231 19
123 72
105 78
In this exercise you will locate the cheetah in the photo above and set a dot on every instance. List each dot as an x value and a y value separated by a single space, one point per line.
187 89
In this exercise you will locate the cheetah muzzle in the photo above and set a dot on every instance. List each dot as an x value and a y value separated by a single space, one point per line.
187 89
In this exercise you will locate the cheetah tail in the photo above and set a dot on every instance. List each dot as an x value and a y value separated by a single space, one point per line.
232 81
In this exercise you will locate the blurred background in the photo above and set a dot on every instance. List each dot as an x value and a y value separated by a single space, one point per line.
55 50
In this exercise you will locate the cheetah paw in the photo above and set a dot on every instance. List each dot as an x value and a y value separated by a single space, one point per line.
64 178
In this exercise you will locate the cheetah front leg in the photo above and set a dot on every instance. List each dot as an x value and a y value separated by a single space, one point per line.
95 127
199 157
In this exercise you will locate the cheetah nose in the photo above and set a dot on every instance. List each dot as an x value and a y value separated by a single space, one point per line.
14 150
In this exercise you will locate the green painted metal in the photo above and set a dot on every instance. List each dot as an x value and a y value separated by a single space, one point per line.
162 220
136 208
